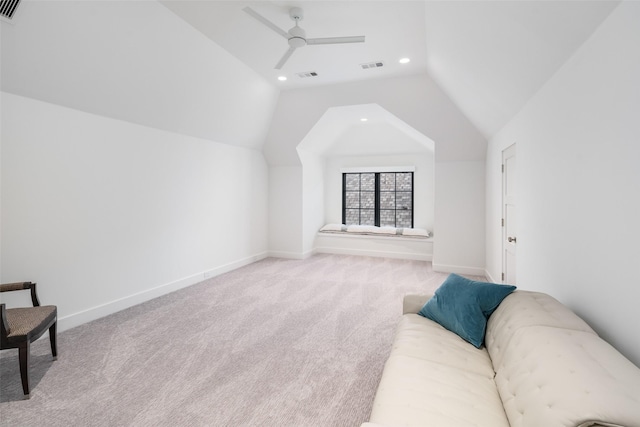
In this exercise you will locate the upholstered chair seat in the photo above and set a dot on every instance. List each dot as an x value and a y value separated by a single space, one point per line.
20 326
24 321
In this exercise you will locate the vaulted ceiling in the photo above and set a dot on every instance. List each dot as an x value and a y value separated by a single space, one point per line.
356 129
205 68
490 57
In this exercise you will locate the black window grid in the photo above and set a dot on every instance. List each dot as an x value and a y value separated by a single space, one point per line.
352 210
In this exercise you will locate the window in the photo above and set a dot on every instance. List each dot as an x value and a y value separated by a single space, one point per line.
384 199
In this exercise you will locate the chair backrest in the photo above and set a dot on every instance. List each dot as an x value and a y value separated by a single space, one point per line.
5 330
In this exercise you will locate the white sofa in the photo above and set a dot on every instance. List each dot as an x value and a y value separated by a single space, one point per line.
541 366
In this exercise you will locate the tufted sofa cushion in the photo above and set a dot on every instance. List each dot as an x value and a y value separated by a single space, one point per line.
552 369
522 309
416 392
424 339
434 377
562 377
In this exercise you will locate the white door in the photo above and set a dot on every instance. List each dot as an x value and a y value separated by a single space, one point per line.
509 238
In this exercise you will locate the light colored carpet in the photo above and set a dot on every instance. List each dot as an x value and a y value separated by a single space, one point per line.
276 343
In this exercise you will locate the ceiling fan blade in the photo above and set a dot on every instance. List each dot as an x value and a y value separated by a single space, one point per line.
336 40
284 58
266 22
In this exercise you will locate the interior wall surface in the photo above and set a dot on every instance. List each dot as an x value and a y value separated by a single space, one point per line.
578 183
313 198
1 94
419 102
460 216
104 214
285 212
129 178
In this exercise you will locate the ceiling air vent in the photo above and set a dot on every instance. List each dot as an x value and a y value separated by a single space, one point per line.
368 65
8 9
307 74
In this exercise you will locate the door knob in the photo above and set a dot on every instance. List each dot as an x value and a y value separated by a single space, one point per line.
511 239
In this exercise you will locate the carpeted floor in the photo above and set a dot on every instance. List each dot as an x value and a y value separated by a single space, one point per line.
276 343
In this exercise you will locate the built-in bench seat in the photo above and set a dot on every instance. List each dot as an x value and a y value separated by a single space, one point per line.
389 242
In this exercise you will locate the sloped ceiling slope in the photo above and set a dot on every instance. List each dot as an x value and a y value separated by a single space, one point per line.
416 100
392 30
491 57
357 130
135 61
141 62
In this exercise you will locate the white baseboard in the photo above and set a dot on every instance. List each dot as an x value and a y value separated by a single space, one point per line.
379 254
351 251
234 265
291 255
459 269
79 318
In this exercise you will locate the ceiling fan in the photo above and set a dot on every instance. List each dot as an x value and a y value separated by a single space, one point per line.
296 36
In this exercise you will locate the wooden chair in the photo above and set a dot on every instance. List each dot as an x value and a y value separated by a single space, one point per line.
21 326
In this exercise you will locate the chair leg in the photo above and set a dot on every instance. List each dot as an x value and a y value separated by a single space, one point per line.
52 338
24 351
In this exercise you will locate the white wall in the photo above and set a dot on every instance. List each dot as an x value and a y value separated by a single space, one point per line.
579 183
285 211
460 216
1 96
423 183
313 199
421 104
104 214
117 187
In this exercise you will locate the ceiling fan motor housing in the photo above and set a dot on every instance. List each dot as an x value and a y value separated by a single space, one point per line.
298 37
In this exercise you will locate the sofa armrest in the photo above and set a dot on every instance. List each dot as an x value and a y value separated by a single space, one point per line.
413 303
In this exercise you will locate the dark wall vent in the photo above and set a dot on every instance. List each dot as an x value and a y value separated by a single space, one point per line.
368 65
8 9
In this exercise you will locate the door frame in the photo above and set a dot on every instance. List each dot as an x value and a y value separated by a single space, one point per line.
508 199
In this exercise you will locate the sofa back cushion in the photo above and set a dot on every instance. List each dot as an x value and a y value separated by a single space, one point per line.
553 369
523 309
562 377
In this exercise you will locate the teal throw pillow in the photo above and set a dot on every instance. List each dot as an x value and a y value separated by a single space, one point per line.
463 306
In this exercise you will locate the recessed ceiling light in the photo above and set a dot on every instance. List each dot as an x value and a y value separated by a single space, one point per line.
282 78
364 119
405 60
